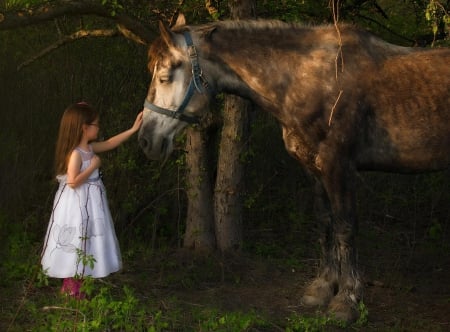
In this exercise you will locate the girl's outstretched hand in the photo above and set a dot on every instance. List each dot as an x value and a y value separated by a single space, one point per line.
138 122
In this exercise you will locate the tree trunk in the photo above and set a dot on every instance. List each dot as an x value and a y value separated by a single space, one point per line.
227 195
242 9
200 215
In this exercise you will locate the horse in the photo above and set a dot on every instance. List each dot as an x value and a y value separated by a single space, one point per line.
346 101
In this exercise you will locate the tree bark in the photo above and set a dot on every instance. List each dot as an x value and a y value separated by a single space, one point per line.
242 9
200 215
227 196
230 170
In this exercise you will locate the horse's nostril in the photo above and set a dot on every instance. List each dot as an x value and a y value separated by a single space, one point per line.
144 143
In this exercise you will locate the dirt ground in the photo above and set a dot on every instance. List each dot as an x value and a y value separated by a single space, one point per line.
408 300
406 276
399 298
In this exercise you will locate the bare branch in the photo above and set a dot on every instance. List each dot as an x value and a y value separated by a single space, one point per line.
55 9
384 27
130 35
68 39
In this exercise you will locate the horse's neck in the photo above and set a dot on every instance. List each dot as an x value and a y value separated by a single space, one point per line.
246 70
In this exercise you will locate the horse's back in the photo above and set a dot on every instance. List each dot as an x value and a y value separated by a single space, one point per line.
409 101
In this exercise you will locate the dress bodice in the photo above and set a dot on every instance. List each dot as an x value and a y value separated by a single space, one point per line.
86 157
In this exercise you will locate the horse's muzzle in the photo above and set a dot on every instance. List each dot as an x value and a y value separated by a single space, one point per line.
155 151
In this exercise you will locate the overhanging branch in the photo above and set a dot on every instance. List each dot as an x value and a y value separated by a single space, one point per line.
68 39
55 9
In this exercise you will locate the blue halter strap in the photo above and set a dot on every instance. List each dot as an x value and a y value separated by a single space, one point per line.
198 83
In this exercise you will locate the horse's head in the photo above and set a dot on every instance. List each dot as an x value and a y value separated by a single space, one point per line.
177 94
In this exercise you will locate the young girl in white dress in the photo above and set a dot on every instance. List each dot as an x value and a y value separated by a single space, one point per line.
80 239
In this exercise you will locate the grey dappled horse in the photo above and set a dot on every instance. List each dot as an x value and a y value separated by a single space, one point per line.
346 101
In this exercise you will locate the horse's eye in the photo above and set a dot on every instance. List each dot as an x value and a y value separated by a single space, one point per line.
166 78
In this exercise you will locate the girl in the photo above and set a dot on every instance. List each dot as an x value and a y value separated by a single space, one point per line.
80 239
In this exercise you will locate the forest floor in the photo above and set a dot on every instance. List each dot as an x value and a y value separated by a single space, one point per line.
406 281
413 299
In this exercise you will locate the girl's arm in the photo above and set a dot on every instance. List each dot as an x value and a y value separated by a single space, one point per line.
115 141
76 178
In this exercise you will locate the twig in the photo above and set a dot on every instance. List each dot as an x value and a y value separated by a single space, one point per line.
46 308
68 39
335 9
334 107
153 203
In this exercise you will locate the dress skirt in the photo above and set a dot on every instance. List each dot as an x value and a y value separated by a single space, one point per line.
80 239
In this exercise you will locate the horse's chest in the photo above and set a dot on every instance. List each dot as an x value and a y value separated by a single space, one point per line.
300 147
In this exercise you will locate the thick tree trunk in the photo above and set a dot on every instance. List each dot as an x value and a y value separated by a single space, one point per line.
225 215
227 194
200 215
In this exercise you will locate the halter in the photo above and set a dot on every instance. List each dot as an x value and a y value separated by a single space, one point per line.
198 82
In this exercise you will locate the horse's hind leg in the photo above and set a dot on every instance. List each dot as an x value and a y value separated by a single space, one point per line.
324 287
338 283
339 186
344 305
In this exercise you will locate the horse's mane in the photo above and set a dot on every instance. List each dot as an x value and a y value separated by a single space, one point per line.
271 30
158 48
274 31
257 24
248 26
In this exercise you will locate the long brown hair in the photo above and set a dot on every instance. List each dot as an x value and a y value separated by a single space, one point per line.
71 132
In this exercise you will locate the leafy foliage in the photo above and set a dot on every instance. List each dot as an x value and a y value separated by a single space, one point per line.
147 199
437 17
20 4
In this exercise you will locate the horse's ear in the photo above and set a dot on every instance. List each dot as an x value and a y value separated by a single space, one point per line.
166 34
181 20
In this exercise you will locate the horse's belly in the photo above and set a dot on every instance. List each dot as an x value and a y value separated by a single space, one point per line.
407 151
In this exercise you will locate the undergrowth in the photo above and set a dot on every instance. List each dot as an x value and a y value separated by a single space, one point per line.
112 304
146 296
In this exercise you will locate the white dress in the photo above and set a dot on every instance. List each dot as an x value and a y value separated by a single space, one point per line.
80 229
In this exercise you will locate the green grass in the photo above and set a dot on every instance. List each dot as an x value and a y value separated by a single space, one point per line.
132 302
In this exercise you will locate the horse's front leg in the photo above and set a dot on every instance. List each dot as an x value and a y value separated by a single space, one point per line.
325 286
339 281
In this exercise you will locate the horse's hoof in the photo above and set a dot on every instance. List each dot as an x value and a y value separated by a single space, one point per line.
318 293
343 308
